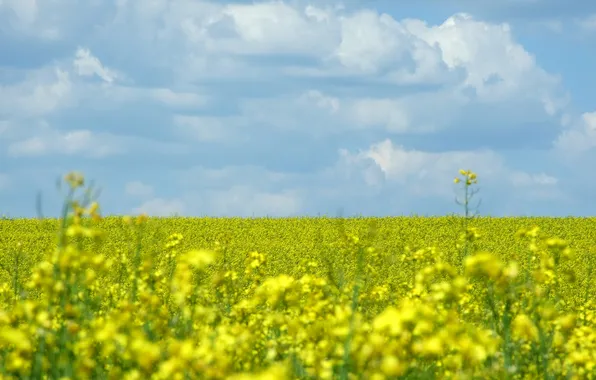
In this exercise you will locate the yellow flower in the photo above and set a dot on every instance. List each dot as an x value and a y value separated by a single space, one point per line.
275 372
141 219
524 328
108 332
511 271
391 366
43 319
147 353
477 354
388 320
199 258
74 180
12 336
169 368
186 350
483 263
567 322
93 208
432 346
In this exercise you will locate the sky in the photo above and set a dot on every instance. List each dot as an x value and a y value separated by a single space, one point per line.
299 108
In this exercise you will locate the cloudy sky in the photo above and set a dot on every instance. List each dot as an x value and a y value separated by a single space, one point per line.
299 107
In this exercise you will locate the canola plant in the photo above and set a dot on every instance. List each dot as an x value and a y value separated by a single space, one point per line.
86 297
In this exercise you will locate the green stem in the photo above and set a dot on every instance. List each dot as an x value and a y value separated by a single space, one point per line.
356 292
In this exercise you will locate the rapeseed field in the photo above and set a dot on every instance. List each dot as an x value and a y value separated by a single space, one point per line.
87 297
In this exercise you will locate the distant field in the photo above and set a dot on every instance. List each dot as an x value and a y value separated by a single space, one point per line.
371 298
288 240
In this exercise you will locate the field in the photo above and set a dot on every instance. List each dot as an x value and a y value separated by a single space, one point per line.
314 298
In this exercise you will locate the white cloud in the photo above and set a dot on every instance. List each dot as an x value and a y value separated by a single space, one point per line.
138 189
371 42
421 173
161 207
320 100
228 176
25 10
588 23
522 179
409 51
178 99
86 143
465 62
52 88
118 96
242 190
379 44
382 112
496 66
323 113
207 129
42 92
311 110
207 36
203 27
578 138
530 188
28 16
86 64
408 114
477 62
77 142
244 200
463 52
274 27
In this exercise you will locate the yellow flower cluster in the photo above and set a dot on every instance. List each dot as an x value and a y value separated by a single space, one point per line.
116 298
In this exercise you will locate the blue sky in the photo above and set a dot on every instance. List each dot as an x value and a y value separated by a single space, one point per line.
292 108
